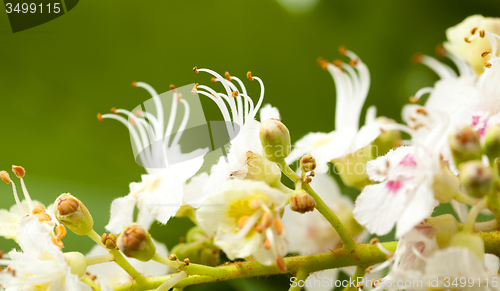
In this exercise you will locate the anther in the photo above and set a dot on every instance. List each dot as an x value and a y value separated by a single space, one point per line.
467 40
19 171
353 62
243 220
267 243
374 240
422 111
278 226
61 231
109 240
413 100
228 77
337 63
342 50
132 121
172 257
187 261
212 80
417 58
134 84
487 64
266 220
481 33
113 110
440 50
195 88
255 204
485 53
473 30
172 87
138 113
43 216
38 209
249 76
57 241
5 177
99 117
234 94
195 69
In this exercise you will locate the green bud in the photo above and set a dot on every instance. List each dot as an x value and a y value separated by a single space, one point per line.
387 140
275 139
464 144
73 214
445 184
197 253
258 168
476 178
352 168
301 201
471 241
136 242
491 146
76 262
444 227
347 218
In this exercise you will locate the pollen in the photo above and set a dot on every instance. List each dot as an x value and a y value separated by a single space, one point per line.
485 53
473 30
467 40
99 117
249 76
417 58
487 64
234 94
113 110
481 33
342 50
228 77
38 209
195 69
19 171
43 216
5 177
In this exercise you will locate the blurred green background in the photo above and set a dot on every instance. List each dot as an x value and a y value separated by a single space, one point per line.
56 77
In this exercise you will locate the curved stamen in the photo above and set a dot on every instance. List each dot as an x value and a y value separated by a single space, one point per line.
223 109
423 91
6 178
157 101
261 97
244 92
442 70
184 122
171 119
341 108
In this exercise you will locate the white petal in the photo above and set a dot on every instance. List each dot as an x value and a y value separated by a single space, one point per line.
164 201
418 208
122 213
315 281
268 112
193 192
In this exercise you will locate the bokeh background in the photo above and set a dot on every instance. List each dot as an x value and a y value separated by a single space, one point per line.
56 77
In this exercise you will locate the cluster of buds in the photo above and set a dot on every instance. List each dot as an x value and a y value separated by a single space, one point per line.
307 166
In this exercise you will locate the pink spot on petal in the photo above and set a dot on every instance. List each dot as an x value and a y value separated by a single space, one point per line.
394 186
408 161
475 120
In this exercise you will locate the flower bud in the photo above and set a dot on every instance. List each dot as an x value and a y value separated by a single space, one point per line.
301 201
258 168
352 168
136 242
387 140
76 262
109 240
197 253
471 241
464 144
445 184
443 227
307 163
491 146
275 139
73 214
476 178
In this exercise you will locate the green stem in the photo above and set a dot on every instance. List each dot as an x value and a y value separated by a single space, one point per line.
473 213
360 272
486 225
301 276
99 259
163 260
364 255
321 206
464 198
118 258
87 280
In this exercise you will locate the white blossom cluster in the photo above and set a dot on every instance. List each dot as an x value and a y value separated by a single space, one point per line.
446 151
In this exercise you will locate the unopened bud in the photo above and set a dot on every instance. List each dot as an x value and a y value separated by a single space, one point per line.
109 240
471 241
301 201
257 168
275 139
307 163
445 184
352 168
476 178
136 242
464 144
491 146
76 262
197 253
387 140
73 214
443 227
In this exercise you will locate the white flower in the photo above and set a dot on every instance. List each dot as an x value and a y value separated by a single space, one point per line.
159 195
242 128
471 52
418 258
41 265
245 218
110 274
10 219
352 82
